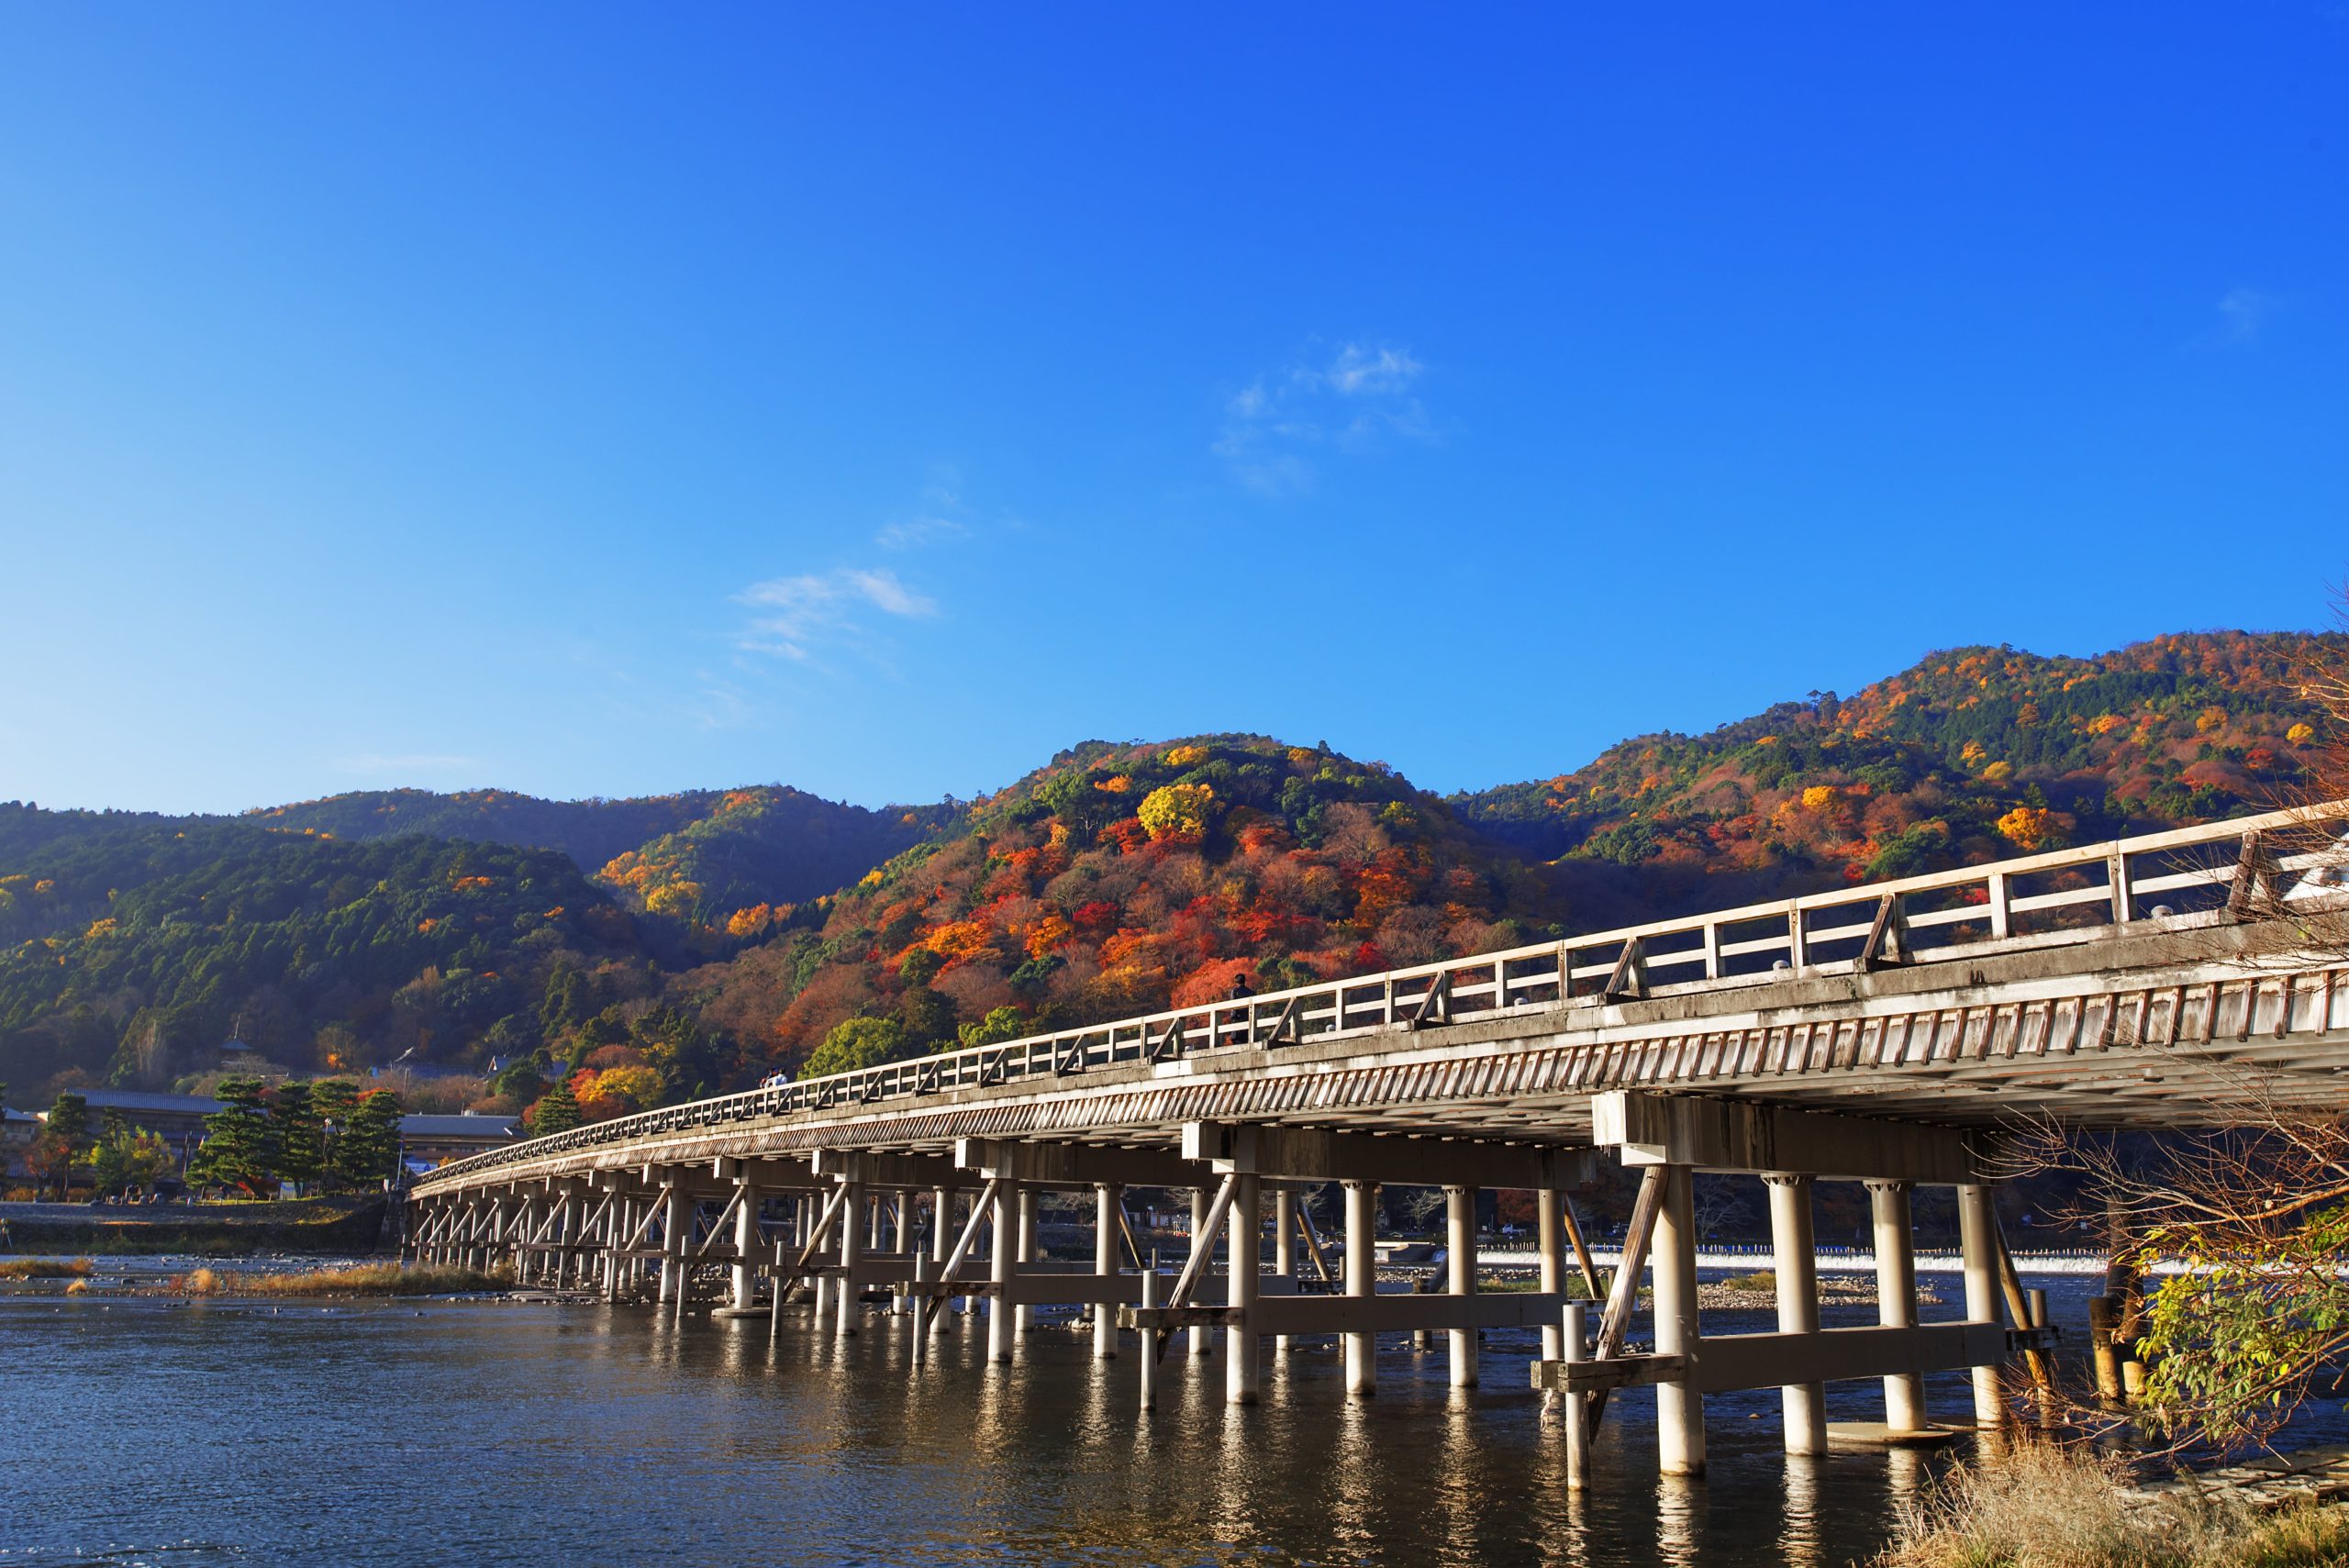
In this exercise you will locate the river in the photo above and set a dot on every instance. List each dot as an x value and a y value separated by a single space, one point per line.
146 1430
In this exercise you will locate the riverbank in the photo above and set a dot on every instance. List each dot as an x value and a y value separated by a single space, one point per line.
2043 1504
319 1227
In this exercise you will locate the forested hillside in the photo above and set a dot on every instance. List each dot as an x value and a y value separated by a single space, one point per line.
1122 878
132 950
637 951
702 856
1973 753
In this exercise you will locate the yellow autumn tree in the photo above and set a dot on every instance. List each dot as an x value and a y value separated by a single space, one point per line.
1182 813
2029 826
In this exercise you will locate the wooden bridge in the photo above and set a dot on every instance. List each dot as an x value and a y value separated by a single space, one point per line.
1881 1034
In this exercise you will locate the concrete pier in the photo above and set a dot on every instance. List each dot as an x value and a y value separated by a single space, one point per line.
1107 1199
1679 1406
1460 1247
1804 1405
1896 1296
1362 1280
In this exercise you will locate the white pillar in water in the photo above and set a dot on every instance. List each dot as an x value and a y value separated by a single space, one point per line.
1200 1336
1792 1241
1679 1408
1242 1364
1977 1230
1106 1196
746 1241
1896 1296
1460 1253
1362 1279
1025 1319
1549 1222
1006 1233
672 1245
844 1290
1283 1247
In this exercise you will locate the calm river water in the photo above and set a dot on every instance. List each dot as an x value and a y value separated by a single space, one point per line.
142 1431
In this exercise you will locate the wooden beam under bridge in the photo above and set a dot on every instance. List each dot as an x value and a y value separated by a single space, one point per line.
1308 1153
1728 1364
1709 1132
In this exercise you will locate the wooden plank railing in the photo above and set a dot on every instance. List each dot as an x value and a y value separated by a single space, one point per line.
2190 876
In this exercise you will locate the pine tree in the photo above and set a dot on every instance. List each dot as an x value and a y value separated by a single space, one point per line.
332 1101
368 1148
300 1151
62 1141
239 1142
557 1110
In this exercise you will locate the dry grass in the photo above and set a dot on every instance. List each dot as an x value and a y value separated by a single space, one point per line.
378 1279
1761 1280
45 1268
2039 1506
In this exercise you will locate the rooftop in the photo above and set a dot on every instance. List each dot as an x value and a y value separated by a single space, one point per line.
467 1125
136 1100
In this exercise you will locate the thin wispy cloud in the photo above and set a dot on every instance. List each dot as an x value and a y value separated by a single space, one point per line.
1352 400
2244 315
915 532
797 616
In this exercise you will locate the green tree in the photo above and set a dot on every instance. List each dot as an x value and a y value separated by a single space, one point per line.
367 1150
123 1159
301 1154
557 1110
239 1140
1000 1024
857 1042
332 1101
63 1142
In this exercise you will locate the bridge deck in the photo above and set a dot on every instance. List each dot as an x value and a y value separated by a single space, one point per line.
2133 982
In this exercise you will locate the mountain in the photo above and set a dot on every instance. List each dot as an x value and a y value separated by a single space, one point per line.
134 948
1973 753
699 856
656 948
1124 878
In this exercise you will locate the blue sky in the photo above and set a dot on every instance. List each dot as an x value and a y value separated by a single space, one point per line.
600 401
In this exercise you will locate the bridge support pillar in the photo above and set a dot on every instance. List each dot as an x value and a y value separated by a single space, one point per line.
1107 1199
672 1246
942 1224
1200 1200
1362 1279
1550 1242
1460 1266
1679 1408
1000 1256
1896 1294
1243 1367
1283 1247
899 1305
852 1236
1978 1232
746 1240
609 1240
1792 1241
1025 1318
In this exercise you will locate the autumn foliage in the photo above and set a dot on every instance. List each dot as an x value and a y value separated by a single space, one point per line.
1125 879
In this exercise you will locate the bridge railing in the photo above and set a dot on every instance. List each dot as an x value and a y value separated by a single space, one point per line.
2190 876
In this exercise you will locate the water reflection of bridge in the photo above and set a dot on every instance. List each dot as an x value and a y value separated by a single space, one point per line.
1878 1034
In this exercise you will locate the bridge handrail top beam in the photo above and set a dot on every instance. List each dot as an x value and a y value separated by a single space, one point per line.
955 1063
